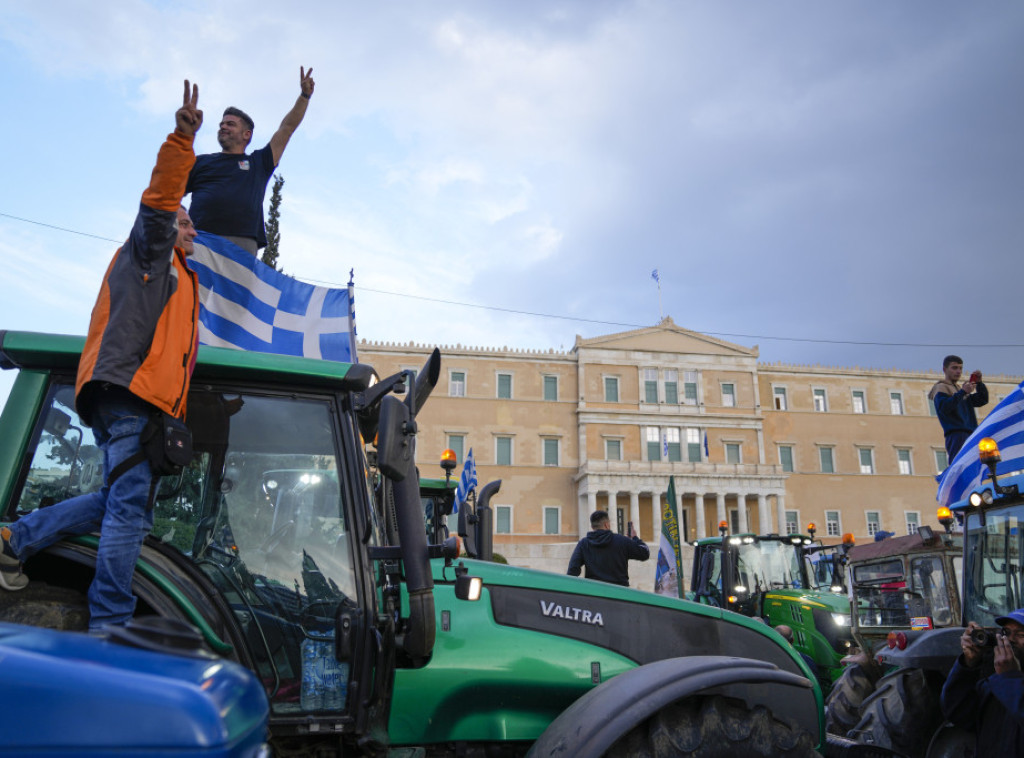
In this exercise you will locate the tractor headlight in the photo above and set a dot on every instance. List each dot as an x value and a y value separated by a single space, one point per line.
841 619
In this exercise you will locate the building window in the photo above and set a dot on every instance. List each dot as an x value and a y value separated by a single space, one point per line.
792 522
552 519
650 385
729 395
781 402
613 450
896 403
820 400
860 402
503 451
672 446
786 457
941 461
504 386
732 452
551 388
828 464
653 444
503 519
551 452
690 387
611 389
457 444
913 521
457 384
672 387
930 405
903 461
693 445
874 522
867 460
832 526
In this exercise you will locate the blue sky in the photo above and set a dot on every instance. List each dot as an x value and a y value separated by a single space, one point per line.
804 175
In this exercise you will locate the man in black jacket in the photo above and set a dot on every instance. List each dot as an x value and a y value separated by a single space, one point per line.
605 553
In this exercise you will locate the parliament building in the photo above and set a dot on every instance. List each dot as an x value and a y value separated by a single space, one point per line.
765 447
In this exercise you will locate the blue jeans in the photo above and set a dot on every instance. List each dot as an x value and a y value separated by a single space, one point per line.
121 512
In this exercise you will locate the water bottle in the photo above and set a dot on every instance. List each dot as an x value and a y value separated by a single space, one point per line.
312 693
324 678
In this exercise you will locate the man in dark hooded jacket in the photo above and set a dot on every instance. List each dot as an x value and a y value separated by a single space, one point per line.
605 553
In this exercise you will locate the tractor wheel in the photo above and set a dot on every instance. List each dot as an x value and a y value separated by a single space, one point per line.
41 604
715 727
843 705
902 714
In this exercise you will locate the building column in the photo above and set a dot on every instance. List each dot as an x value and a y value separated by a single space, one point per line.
698 504
634 510
722 516
763 520
656 526
591 507
613 506
780 505
741 507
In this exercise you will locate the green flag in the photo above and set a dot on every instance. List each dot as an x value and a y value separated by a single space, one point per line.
668 577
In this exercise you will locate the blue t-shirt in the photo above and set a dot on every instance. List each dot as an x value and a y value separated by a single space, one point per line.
227 193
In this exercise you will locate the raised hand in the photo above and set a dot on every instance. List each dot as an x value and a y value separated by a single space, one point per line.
188 117
306 83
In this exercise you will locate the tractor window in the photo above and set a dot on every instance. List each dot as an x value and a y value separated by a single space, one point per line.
882 597
993 564
930 592
767 564
65 461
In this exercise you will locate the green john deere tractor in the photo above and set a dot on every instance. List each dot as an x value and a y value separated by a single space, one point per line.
298 550
782 580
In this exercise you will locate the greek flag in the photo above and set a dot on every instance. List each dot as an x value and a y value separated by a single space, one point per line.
467 482
1005 424
655 277
245 304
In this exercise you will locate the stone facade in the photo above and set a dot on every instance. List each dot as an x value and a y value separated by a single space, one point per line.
762 447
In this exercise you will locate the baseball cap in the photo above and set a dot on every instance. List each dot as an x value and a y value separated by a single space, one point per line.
1017 615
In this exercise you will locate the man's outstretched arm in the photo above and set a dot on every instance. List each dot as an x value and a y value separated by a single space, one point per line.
294 117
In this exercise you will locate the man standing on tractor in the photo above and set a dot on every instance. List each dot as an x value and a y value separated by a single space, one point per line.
954 405
606 554
986 693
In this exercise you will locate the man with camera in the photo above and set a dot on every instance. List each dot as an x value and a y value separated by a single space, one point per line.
605 554
954 405
984 691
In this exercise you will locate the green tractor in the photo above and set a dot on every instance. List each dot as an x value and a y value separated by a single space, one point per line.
297 549
782 580
893 700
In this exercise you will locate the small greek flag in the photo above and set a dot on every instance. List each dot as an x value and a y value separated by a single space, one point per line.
706 454
245 304
664 446
655 277
1004 424
467 482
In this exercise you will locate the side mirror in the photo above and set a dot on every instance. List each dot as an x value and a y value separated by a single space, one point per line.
394 450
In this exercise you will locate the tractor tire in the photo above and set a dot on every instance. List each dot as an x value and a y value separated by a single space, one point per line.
901 714
715 727
40 604
843 705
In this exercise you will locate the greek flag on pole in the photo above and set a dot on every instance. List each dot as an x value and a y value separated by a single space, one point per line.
655 277
467 482
1004 424
245 304
706 453
668 575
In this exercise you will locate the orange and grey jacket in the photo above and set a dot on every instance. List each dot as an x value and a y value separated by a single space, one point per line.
142 335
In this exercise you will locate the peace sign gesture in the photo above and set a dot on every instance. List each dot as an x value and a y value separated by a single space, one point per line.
188 117
306 82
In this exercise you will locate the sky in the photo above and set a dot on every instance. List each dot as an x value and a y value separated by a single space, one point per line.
835 183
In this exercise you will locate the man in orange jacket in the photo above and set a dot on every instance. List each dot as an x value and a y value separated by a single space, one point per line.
137 360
